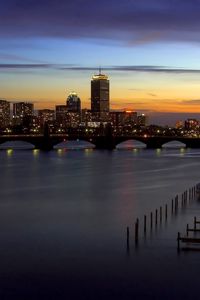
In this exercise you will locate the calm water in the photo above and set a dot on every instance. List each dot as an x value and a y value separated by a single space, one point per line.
63 219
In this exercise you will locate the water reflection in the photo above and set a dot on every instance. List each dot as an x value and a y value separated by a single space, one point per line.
131 144
88 151
74 145
71 212
9 152
36 152
60 151
158 151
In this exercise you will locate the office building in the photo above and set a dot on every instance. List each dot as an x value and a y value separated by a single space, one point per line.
73 103
4 113
61 115
22 113
46 116
191 124
179 124
100 94
23 109
142 120
73 119
122 118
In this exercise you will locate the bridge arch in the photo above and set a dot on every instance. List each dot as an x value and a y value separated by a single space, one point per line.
131 144
20 145
174 144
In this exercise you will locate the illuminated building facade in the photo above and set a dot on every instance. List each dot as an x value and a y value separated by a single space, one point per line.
191 124
73 103
46 116
4 113
122 118
73 119
142 120
61 115
100 98
22 113
179 124
22 109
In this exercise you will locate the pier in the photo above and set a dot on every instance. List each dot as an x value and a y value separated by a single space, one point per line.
151 222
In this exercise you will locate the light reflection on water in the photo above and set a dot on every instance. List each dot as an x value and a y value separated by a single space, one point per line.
63 219
73 145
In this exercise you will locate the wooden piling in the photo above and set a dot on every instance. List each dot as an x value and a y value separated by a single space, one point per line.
172 206
160 214
176 204
195 223
151 220
127 235
156 217
178 241
166 211
187 229
136 230
145 223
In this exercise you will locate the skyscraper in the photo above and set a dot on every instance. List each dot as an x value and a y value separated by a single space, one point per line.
4 113
73 103
142 120
22 109
46 116
100 93
61 115
22 113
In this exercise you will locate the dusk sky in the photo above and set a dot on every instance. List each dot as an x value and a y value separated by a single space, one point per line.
150 49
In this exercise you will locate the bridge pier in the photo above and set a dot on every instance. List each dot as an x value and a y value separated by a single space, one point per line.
44 145
153 145
104 143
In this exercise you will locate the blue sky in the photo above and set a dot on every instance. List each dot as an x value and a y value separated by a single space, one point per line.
149 48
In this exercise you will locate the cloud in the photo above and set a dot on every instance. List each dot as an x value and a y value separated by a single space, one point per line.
155 69
191 102
24 66
151 94
73 67
138 90
129 21
132 68
13 57
115 103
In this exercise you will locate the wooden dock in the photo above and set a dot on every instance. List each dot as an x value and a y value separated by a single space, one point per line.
189 240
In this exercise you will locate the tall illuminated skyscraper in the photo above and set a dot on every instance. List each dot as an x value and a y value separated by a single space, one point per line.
100 93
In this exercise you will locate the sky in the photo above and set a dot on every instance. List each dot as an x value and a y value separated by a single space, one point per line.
150 49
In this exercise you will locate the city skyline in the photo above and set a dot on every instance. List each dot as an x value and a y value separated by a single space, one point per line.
149 49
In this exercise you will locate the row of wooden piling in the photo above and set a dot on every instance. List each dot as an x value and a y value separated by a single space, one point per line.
163 212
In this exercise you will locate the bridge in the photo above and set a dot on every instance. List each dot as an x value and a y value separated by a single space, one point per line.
47 142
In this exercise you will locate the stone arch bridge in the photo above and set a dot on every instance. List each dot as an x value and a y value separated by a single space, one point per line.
101 142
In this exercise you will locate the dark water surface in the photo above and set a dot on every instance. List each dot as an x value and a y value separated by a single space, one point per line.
63 219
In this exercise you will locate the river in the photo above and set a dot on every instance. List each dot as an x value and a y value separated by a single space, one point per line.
63 219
